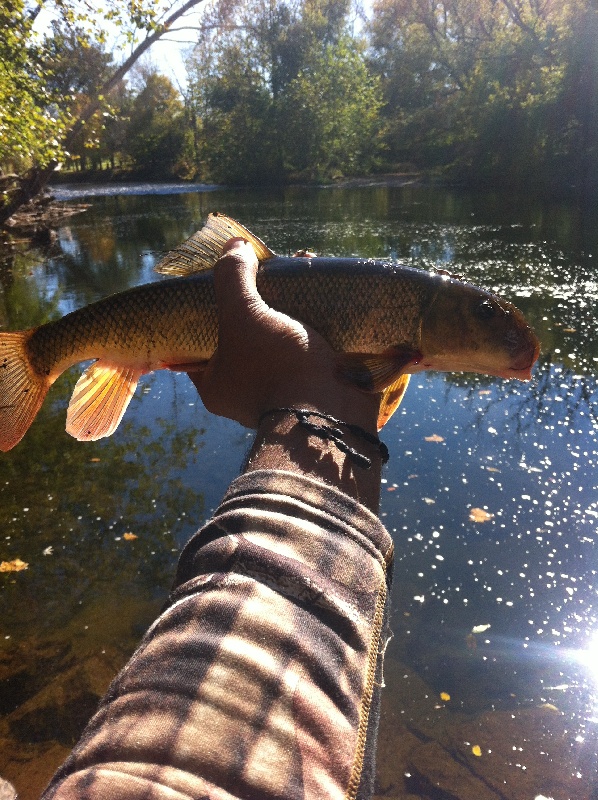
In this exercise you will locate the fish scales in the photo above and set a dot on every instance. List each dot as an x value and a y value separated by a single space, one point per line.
386 322
347 301
143 323
356 305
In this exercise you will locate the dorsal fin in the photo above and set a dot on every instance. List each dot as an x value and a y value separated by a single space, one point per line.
202 250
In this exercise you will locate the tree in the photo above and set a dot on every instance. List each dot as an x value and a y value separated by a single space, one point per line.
279 87
483 89
24 85
75 68
29 128
331 113
156 134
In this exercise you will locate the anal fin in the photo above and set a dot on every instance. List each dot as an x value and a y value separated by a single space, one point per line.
391 399
100 399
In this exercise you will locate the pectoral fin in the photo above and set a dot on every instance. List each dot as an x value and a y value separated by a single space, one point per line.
375 372
391 399
100 399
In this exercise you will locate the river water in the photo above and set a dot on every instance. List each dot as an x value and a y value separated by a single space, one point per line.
492 674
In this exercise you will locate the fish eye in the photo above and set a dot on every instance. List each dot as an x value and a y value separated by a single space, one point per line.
486 310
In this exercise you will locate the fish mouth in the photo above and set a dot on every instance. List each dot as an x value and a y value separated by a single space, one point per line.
521 367
520 374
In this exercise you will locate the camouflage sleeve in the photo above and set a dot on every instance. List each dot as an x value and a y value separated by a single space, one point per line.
261 678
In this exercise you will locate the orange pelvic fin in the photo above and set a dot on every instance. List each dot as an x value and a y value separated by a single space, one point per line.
100 399
22 390
391 399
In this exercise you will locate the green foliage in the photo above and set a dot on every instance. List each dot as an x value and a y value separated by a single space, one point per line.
501 92
283 91
30 127
493 91
54 93
155 134
331 113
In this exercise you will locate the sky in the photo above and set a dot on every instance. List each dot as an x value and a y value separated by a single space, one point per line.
167 54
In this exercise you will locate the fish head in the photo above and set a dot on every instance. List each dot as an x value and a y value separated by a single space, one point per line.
466 329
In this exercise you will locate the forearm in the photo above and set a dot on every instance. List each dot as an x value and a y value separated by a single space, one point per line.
259 679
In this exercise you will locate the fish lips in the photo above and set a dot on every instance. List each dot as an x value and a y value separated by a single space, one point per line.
521 365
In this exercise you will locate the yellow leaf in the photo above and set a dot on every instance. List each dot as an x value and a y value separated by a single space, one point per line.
13 566
481 628
94 460
130 536
548 706
479 515
476 750
434 438
484 391
445 696
492 469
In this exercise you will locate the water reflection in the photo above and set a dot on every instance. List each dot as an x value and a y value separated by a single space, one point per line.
523 689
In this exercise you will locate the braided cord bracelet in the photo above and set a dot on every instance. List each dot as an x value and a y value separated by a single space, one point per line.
334 434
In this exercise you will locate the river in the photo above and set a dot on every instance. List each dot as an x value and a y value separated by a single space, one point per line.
492 674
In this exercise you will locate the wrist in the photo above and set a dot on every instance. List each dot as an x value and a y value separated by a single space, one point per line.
341 454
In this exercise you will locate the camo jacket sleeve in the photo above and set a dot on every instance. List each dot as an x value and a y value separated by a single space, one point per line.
261 677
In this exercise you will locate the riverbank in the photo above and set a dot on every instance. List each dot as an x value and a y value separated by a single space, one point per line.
38 220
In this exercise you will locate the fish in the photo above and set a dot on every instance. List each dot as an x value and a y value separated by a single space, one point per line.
385 321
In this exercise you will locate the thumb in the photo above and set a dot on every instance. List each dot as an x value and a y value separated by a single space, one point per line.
235 275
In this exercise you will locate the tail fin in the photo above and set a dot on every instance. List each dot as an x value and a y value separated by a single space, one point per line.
22 391
203 249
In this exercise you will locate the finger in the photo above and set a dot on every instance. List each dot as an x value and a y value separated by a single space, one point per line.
235 281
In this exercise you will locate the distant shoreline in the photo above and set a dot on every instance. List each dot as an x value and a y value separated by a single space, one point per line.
64 189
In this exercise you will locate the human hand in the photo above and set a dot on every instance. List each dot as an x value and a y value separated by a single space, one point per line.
266 359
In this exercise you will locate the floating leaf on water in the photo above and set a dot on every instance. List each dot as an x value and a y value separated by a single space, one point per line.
569 330
549 707
492 469
429 501
434 438
484 391
479 515
16 565
391 489
95 460
48 551
445 696
480 628
476 750
130 536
